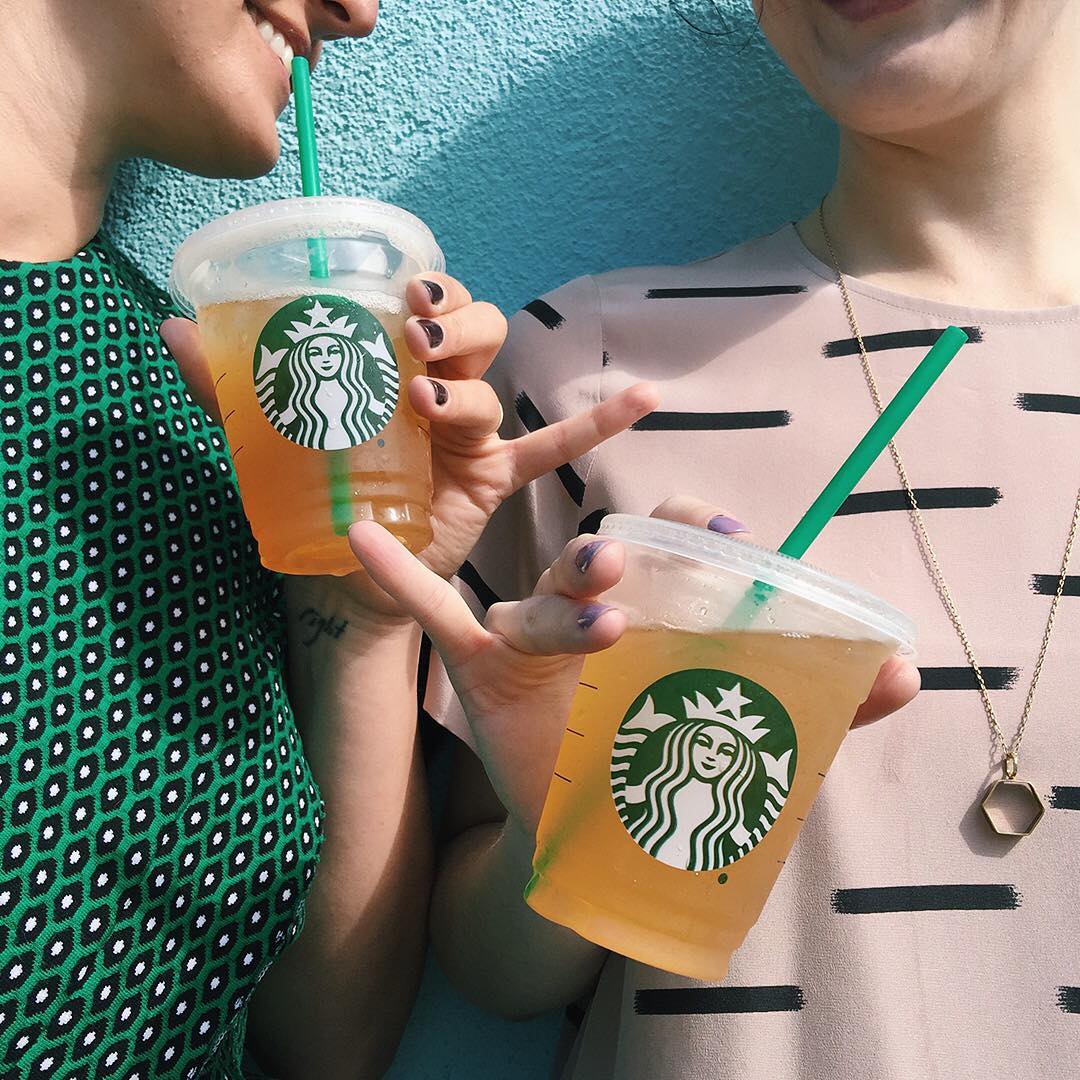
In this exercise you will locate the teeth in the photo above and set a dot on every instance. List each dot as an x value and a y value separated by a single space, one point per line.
278 46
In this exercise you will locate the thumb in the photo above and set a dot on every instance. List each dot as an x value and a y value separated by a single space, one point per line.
181 337
897 683
432 601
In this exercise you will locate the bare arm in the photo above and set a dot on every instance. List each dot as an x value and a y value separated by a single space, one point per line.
493 947
335 1003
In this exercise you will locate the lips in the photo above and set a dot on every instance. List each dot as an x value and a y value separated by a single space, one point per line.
863 10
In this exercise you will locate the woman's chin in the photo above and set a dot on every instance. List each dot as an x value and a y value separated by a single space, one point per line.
904 84
886 115
252 157
895 93
240 153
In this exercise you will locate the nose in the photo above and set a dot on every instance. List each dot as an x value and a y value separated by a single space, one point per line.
331 19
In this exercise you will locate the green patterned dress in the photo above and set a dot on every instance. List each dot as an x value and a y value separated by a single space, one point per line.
159 825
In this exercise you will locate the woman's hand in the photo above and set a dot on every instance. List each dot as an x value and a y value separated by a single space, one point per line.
516 674
474 469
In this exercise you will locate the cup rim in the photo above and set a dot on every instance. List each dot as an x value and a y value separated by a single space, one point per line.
299 218
760 564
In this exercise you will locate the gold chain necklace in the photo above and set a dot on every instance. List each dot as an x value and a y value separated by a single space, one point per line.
1007 798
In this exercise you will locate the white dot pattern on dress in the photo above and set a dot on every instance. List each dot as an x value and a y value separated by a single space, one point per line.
150 866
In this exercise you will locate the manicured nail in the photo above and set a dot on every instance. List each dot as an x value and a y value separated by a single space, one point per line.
434 290
442 395
590 613
583 559
723 524
433 330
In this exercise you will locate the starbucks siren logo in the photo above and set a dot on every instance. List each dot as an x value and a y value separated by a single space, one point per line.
697 780
325 375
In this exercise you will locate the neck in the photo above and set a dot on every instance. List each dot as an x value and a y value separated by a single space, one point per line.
983 212
56 157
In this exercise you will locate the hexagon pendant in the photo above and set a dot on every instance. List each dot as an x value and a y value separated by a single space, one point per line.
1012 807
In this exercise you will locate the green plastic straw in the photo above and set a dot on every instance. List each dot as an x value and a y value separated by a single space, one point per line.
338 460
873 442
309 156
857 464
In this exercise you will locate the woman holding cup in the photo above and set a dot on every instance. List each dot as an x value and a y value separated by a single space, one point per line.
906 936
161 823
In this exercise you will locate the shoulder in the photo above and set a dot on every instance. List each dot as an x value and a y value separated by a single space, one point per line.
633 319
774 264
127 275
706 306
563 327
552 363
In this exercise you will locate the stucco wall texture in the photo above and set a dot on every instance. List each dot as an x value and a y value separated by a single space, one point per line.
540 140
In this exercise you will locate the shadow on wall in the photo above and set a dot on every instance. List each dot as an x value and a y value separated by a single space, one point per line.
646 143
624 153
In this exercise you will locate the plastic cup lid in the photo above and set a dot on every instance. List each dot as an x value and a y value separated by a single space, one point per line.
327 216
759 564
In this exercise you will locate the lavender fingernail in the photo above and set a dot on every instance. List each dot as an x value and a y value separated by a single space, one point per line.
583 559
590 613
434 290
727 525
433 330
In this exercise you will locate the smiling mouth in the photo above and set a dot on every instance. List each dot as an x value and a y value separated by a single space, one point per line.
283 41
864 10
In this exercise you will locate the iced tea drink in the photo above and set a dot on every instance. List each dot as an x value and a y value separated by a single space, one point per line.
694 749
337 428
311 373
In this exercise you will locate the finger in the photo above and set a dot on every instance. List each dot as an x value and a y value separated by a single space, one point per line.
431 601
463 342
549 447
897 683
181 337
432 294
468 408
705 515
556 626
587 567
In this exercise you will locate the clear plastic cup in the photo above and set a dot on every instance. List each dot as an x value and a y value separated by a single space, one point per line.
697 743
301 306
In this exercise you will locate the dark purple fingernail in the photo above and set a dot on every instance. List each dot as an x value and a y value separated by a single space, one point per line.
434 290
590 613
433 330
583 559
723 524
442 395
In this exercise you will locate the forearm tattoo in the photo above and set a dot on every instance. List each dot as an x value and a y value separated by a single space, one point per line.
318 624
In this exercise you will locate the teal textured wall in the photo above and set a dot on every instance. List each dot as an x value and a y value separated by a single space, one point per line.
540 139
